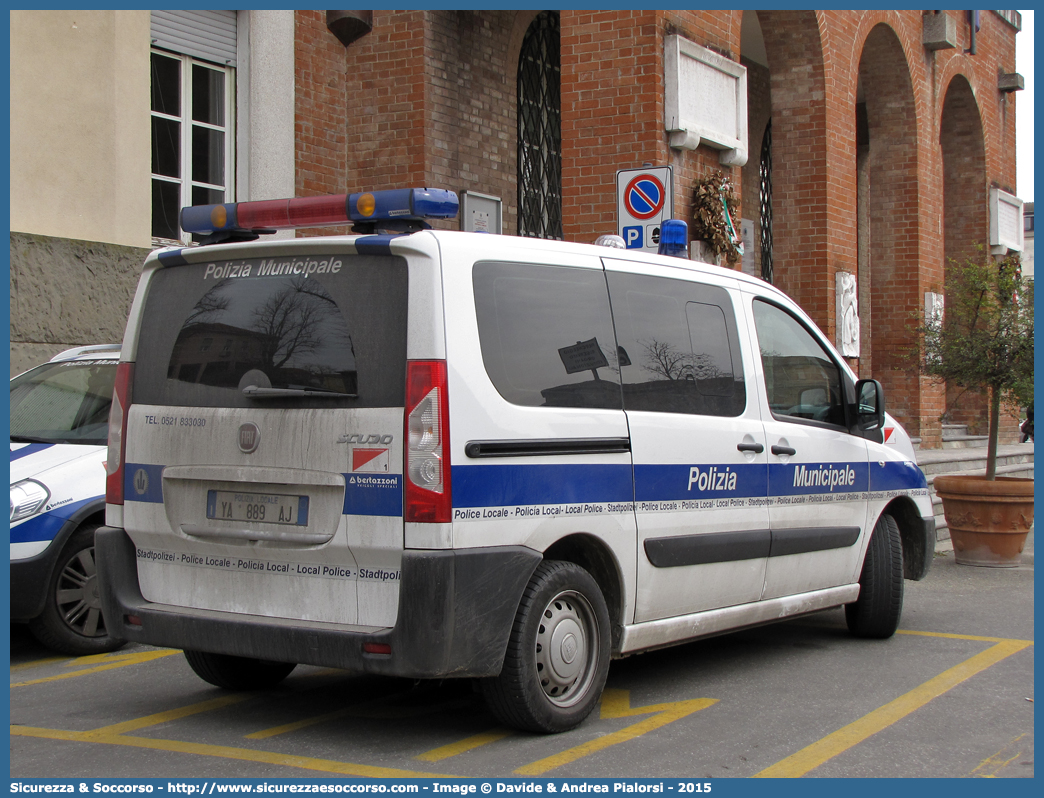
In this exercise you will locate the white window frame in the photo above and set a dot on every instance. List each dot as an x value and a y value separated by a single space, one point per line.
185 182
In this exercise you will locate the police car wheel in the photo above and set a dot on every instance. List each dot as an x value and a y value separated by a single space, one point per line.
72 620
558 652
238 673
875 614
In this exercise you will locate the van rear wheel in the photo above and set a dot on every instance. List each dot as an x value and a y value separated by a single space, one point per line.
875 614
558 652
238 673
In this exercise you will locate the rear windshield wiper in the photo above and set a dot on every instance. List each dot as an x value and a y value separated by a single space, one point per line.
260 393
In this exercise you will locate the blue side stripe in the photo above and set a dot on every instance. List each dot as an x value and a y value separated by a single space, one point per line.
143 482
896 475
487 486
373 494
172 258
801 479
374 245
47 525
703 481
25 451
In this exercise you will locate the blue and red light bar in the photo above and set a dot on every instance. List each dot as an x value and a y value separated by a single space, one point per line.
394 205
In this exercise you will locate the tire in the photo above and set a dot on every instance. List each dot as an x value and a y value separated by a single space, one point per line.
557 655
875 614
238 673
72 620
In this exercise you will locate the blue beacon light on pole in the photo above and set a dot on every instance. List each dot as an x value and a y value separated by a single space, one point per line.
674 238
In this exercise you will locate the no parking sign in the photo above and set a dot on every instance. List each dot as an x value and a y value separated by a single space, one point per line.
644 198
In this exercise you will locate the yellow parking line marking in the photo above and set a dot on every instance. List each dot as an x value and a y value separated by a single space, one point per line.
172 714
617 704
373 709
991 765
463 746
227 752
296 725
814 755
37 663
116 662
952 636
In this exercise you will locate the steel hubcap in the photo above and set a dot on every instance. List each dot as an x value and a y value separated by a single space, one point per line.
563 648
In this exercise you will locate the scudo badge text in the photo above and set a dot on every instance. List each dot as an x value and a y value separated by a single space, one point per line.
365 438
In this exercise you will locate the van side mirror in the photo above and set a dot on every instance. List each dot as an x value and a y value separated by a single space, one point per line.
869 407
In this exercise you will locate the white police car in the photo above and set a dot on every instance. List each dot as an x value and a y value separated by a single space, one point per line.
59 423
439 454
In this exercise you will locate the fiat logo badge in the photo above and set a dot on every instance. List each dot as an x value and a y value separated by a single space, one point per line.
249 437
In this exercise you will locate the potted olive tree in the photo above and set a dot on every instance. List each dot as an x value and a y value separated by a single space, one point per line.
714 235
984 341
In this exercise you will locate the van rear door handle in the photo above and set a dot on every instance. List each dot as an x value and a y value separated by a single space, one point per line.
757 448
783 450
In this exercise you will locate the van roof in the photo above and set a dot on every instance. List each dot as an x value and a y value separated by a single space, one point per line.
404 243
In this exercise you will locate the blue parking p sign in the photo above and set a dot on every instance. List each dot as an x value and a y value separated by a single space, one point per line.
644 198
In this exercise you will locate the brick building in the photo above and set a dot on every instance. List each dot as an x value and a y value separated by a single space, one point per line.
867 147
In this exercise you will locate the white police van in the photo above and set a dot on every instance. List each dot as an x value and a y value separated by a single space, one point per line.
441 454
59 422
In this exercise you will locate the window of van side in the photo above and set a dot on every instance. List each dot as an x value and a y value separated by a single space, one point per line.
679 347
802 381
546 335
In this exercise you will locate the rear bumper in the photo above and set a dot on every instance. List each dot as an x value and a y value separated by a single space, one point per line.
455 612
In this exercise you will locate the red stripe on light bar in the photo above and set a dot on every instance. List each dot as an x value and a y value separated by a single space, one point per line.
317 211
263 213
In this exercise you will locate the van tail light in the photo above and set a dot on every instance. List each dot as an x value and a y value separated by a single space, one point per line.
427 498
114 463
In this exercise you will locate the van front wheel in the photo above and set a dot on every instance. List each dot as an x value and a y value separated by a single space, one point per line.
875 614
557 655
238 673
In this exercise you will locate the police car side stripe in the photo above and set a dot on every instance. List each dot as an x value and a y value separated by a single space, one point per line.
374 245
172 258
802 479
46 525
373 494
143 482
896 475
487 486
704 481
25 451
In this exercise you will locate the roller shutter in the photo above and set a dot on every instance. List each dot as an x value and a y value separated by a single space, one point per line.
207 35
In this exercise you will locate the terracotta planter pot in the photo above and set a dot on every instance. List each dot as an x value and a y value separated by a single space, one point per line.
988 520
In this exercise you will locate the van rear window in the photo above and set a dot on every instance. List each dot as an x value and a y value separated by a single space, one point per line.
250 332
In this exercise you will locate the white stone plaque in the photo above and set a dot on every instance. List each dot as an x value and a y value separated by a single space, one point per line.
705 100
847 314
1005 222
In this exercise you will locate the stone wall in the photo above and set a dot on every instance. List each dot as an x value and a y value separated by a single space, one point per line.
67 293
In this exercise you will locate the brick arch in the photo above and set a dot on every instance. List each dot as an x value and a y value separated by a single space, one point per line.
963 144
965 212
797 84
890 194
519 28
